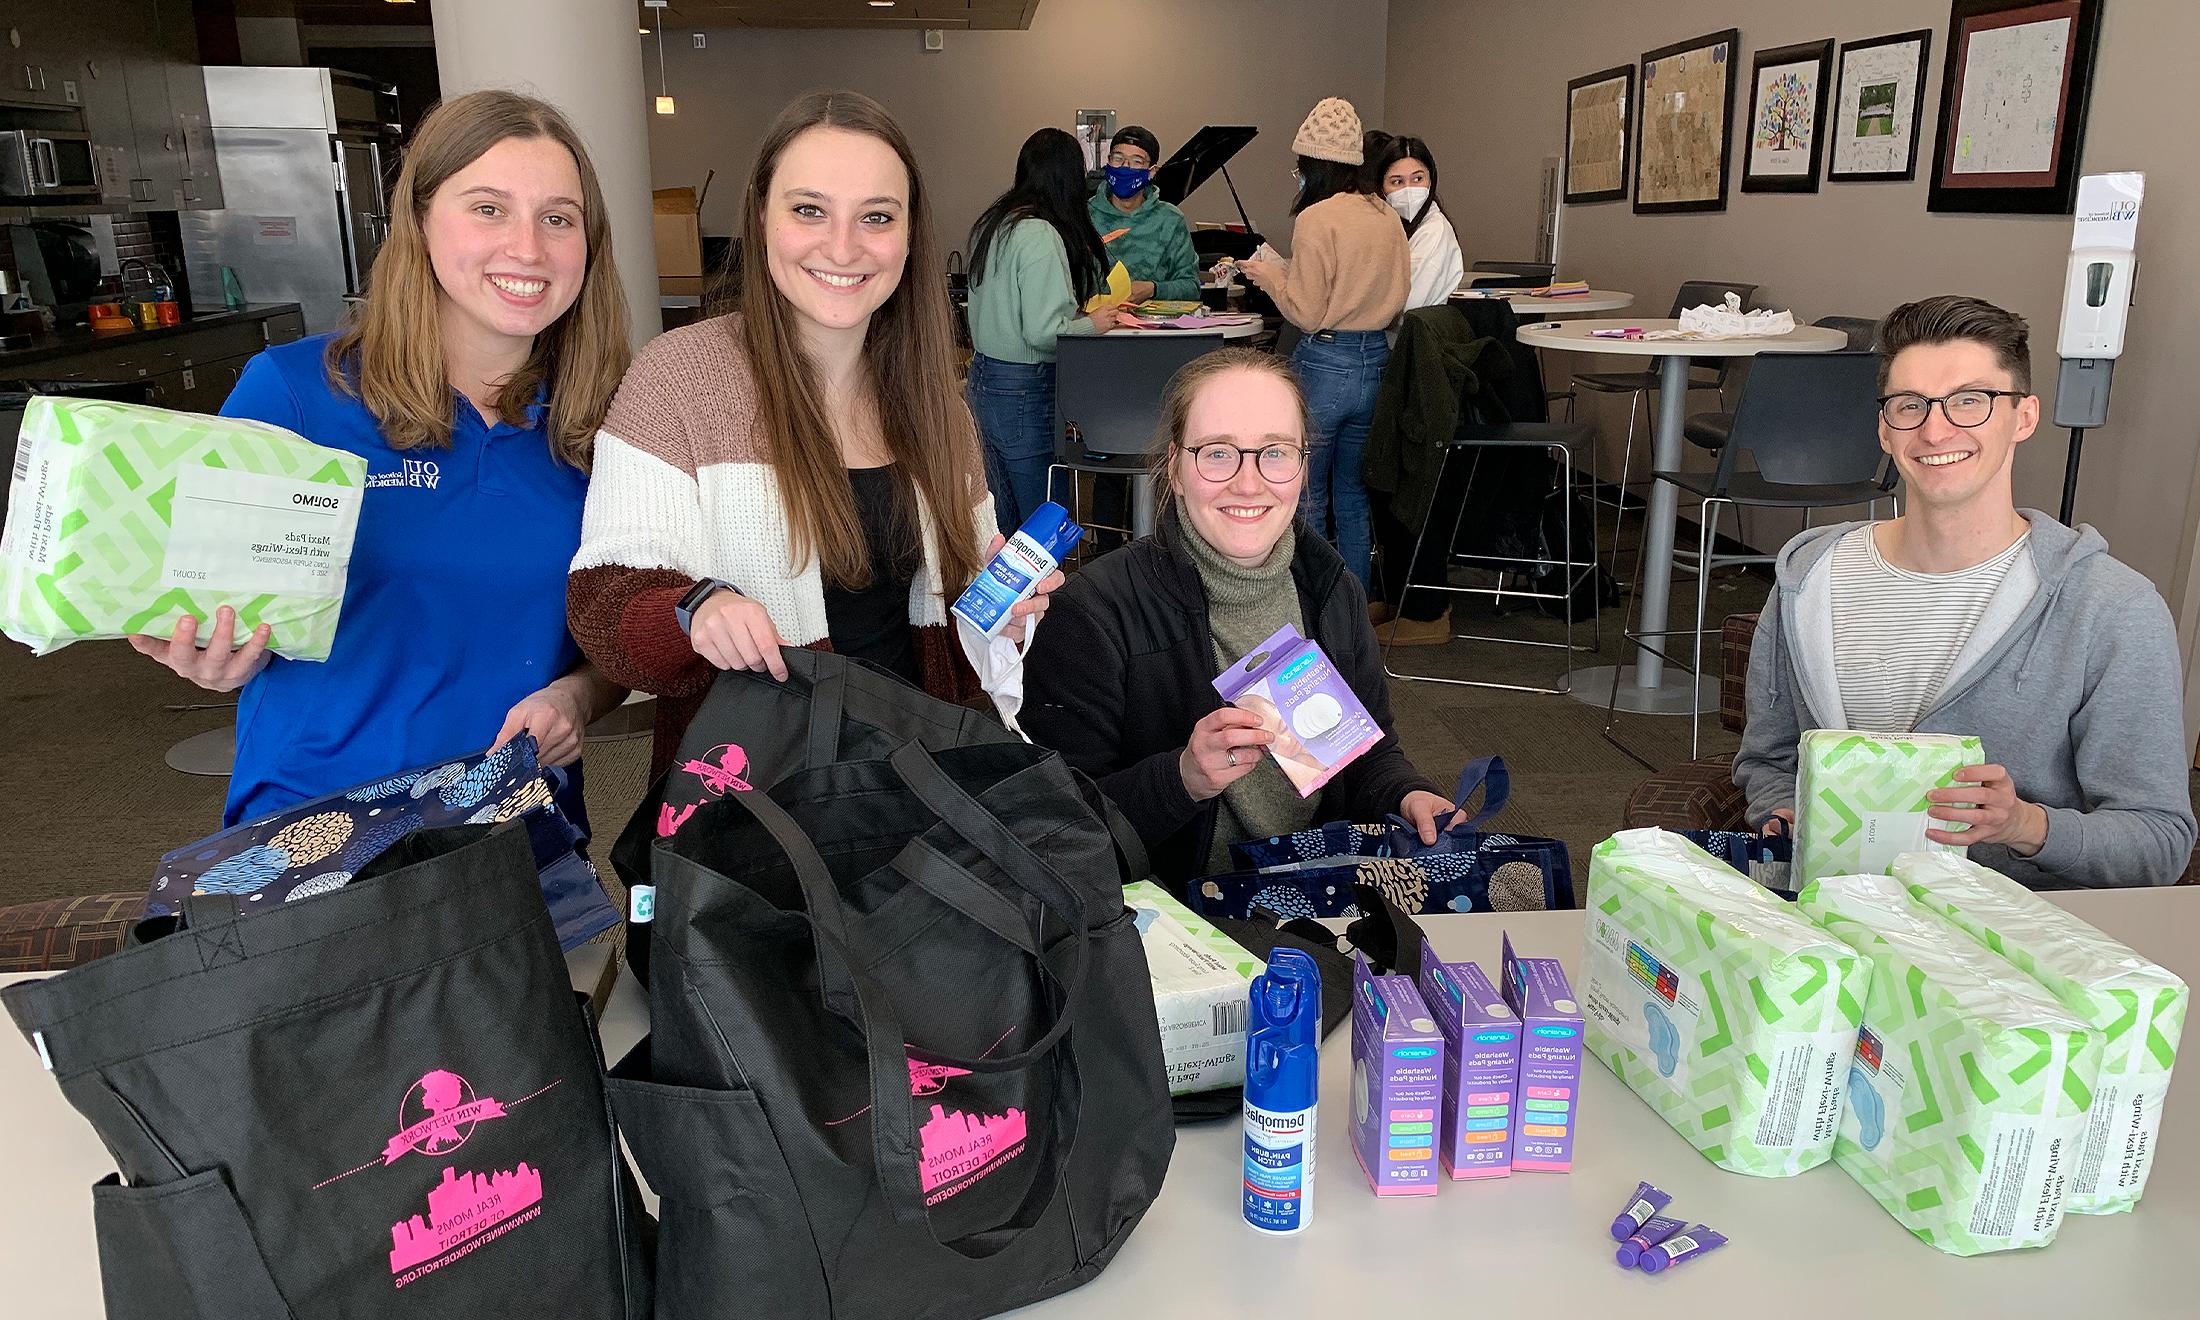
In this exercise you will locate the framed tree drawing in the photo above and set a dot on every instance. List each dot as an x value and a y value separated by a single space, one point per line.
2012 105
1597 107
1787 116
1687 120
1876 100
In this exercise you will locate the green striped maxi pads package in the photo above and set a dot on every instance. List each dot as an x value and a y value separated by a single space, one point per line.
1972 1087
1715 1002
1860 797
2135 1007
123 519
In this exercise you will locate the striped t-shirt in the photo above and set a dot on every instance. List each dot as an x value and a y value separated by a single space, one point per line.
1897 633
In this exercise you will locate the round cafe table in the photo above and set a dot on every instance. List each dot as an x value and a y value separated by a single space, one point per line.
1525 304
1232 330
1644 687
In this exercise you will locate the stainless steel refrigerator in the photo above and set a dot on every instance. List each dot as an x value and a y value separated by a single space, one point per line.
306 156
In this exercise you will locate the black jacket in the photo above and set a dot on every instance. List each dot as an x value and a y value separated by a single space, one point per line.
1124 666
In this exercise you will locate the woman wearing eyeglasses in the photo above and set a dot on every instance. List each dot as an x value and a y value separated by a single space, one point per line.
1121 678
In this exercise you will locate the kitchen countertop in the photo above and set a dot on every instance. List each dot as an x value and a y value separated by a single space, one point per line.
65 343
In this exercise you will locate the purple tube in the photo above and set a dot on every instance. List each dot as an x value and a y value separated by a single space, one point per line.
1646 1202
1683 1246
1655 1229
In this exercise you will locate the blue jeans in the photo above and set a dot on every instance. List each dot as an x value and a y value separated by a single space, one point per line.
1014 405
1340 371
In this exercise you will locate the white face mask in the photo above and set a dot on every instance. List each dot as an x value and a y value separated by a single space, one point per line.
1409 201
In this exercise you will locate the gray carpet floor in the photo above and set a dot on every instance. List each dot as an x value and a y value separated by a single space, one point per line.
88 805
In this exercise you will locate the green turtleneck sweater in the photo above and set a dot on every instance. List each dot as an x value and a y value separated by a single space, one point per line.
1244 607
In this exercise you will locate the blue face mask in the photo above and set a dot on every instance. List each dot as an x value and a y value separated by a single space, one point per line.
1125 182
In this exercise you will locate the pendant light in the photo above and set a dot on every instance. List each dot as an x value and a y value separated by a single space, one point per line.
664 93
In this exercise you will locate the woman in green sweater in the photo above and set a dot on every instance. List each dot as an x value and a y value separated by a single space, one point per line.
1034 260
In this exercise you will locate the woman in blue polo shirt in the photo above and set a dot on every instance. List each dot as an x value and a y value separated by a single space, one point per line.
472 381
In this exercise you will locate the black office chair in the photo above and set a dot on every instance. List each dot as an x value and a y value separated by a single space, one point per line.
1710 430
1567 443
1107 408
1703 374
1811 422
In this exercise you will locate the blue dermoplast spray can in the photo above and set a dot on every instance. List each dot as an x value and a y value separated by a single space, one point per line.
1282 1074
1017 569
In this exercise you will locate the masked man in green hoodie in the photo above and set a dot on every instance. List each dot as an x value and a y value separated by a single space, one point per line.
1146 234
1970 615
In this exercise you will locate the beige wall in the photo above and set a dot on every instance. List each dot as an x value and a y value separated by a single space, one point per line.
1168 64
1484 83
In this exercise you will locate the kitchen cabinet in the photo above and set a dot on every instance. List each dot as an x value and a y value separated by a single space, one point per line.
37 53
132 67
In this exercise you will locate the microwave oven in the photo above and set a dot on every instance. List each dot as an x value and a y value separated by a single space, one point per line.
39 165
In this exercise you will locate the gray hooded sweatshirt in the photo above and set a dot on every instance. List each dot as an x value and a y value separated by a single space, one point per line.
2071 680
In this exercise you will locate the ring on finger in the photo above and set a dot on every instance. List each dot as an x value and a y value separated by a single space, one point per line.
1232 756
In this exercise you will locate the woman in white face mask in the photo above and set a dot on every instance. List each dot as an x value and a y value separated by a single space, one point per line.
1404 171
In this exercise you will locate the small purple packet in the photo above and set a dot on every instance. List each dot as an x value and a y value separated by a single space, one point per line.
1319 725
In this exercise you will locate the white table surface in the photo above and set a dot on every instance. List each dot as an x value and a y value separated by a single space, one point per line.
1539 1245
1644 687
1238 330
1595 300
1805 1247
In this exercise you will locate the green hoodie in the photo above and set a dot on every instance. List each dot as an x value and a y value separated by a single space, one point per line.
1153 242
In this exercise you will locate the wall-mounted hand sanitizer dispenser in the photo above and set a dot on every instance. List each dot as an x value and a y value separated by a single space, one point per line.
2097 286
2096 304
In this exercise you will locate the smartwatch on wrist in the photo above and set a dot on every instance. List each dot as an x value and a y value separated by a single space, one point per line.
693 600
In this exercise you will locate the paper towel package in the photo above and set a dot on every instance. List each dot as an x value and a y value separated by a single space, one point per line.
1202 983
123 519
1860 797
2135 1007
1971 1088
1731 1015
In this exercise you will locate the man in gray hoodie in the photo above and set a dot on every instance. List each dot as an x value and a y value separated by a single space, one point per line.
1968 615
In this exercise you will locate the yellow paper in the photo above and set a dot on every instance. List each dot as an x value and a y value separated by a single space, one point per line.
1119 290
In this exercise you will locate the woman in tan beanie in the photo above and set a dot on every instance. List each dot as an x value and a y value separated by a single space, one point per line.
1345 283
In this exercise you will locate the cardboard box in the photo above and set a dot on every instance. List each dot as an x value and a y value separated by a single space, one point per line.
1397 1083
1550 1062
1202 983
1320 726
678 216
1481 1068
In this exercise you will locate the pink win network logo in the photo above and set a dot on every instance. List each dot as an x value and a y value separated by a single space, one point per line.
437 1116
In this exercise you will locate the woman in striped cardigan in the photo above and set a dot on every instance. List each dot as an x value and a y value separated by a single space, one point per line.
804 471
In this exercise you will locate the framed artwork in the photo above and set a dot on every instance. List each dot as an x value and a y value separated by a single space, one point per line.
2012 105
1787 117
1877 97
1597 107
1687 119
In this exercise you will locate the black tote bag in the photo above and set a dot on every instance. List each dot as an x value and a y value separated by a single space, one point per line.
904 1060
381 1101
753 730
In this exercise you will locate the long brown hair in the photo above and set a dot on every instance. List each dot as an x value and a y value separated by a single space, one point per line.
908 353
1183 389
390 353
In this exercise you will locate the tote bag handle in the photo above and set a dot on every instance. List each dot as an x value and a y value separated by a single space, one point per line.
896 1148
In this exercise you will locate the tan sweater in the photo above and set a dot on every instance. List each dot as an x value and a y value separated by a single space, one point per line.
1349 268
682 489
